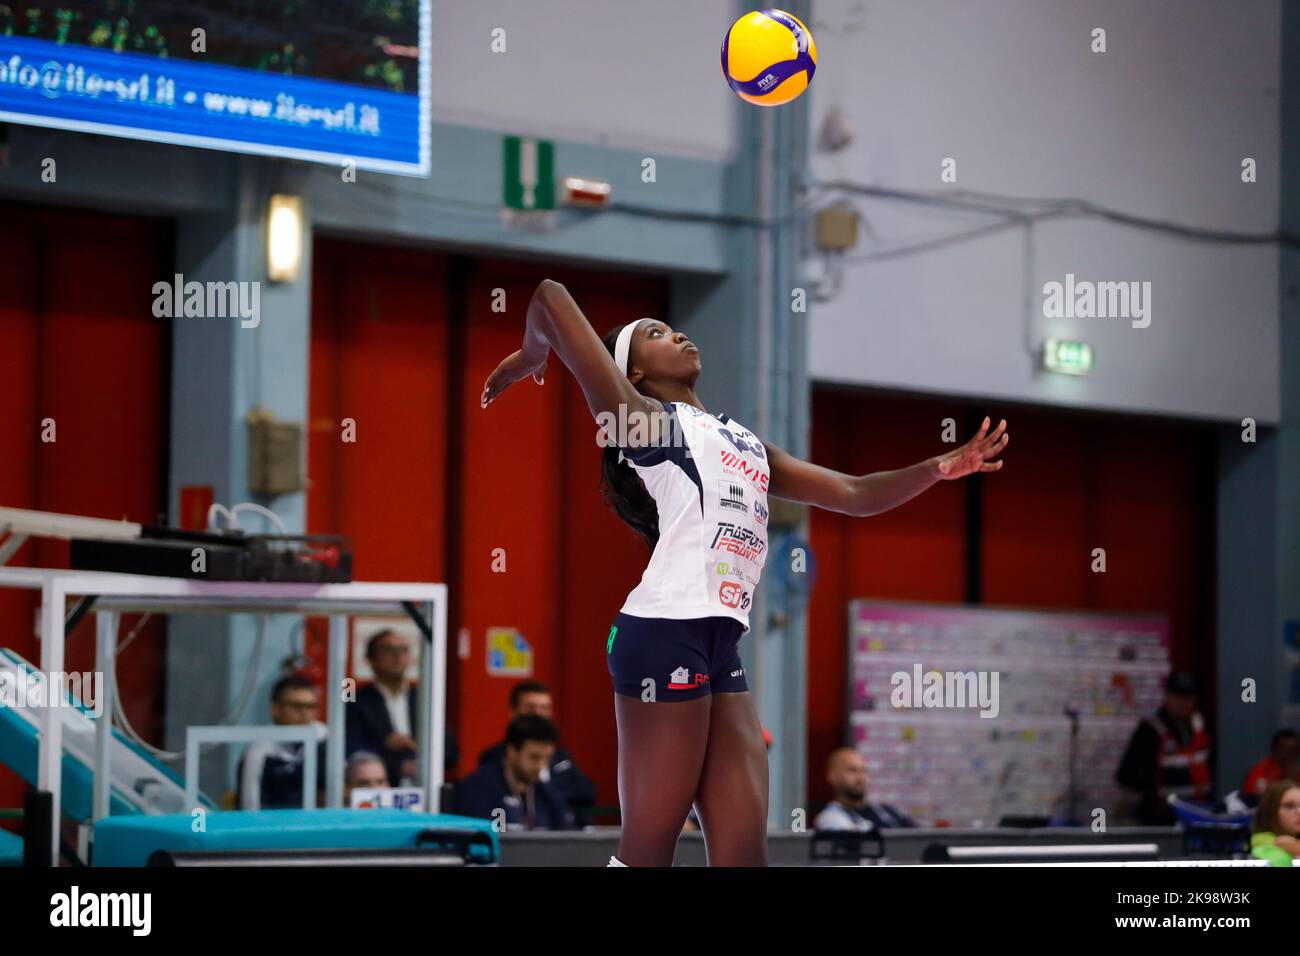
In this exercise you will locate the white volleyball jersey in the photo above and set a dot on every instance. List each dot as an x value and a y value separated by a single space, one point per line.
708 477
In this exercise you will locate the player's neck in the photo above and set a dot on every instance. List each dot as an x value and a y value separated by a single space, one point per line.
678 392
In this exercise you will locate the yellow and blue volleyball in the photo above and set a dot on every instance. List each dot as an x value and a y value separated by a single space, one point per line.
768 57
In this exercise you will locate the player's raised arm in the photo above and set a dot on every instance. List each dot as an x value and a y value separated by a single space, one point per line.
861 495
555 322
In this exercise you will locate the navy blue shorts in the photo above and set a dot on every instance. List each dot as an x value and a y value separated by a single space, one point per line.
675 659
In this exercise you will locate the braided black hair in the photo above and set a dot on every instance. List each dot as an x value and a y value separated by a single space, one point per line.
620 486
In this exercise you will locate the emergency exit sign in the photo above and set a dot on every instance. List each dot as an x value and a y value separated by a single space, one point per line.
1064 355
529 173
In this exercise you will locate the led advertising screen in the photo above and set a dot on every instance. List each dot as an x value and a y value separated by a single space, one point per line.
331 81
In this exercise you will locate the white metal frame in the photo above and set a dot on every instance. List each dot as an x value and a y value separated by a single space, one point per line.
304 734
129 593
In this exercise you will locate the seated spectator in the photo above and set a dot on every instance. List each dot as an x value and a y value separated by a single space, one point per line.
514 786
270 774
1275 827
1280 764
846 772
365 771
382 719
577 791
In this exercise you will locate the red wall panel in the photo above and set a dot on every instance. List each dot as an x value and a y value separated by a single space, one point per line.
79 345
511 500
1144 490
913 553
19 390
379 357
1038 512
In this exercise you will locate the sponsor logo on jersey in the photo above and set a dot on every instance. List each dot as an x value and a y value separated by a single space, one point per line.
737 571
738 540
745 442
736 465
738 673
732 594
760 512
731 496
681 679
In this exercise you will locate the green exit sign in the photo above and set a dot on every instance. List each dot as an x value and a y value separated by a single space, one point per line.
529 173
1065 355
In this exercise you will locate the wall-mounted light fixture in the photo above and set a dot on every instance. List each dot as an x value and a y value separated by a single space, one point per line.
284 238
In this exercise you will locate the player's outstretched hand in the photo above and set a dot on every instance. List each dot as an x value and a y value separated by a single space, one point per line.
976 455
516 366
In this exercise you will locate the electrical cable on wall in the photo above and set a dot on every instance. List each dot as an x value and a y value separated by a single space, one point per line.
1011 213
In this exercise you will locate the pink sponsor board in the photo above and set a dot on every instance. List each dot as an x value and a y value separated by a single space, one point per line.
961 711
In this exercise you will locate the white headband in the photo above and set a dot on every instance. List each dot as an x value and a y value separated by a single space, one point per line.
623 347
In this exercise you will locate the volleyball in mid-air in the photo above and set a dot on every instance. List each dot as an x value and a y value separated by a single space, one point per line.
768 57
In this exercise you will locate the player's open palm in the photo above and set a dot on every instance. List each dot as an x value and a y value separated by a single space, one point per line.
978 454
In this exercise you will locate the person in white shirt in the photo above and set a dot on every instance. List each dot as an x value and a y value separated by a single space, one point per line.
846 772
694 487
382 718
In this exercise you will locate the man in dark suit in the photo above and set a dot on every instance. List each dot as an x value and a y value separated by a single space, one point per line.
513 790
383 718
563 775
269 775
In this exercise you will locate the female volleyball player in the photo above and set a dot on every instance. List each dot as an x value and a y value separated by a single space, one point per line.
695 487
